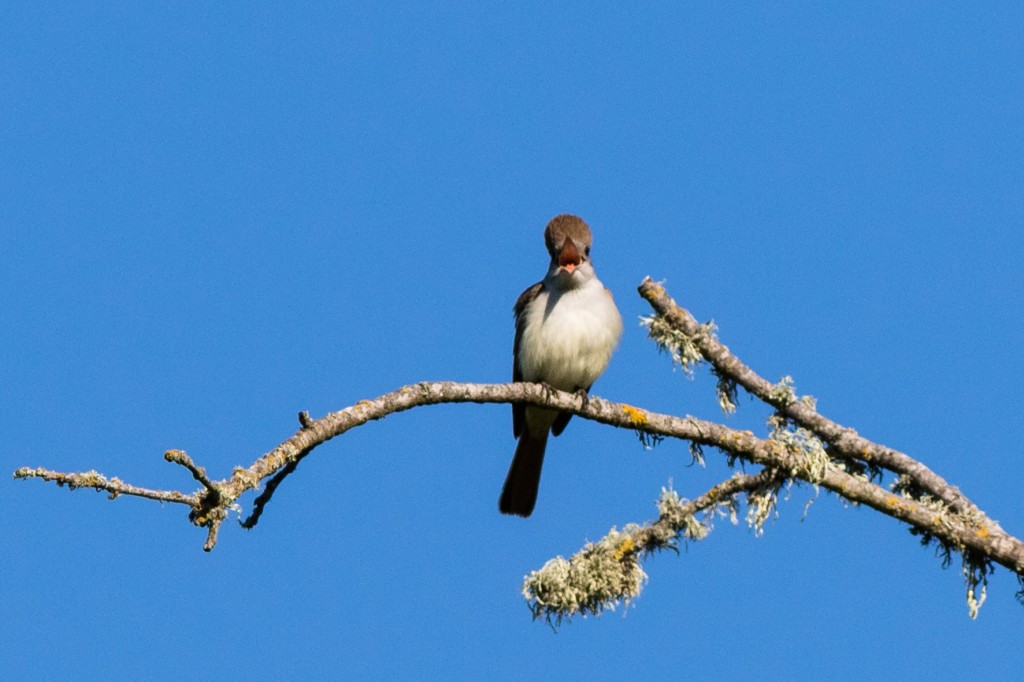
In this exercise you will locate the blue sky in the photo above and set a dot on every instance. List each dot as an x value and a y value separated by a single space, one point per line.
215 215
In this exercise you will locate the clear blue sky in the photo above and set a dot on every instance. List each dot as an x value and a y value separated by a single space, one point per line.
214 215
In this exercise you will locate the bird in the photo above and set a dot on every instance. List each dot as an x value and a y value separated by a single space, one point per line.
567 326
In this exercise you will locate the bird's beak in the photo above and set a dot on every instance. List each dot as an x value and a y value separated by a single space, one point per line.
569 257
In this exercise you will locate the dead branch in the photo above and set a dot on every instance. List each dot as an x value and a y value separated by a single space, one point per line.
802 446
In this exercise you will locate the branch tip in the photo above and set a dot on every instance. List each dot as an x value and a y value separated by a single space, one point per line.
211 535
199 473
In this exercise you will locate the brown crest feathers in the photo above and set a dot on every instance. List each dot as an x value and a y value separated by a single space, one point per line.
566 226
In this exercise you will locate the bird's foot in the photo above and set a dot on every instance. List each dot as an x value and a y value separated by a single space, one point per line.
584 396
548 389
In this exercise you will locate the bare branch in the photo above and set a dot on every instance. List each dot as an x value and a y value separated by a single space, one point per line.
114 486
260 503
198 473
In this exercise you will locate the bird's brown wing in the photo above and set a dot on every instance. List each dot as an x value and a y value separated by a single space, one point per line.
525 298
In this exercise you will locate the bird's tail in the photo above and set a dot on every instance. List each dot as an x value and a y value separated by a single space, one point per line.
520 492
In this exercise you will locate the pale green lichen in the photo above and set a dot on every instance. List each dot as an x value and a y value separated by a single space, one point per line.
679 345
607 573
975 577
672 512
696 449
88 479
807 457
761 505
975 567
595 579
783 393
248 479
697 453
726 392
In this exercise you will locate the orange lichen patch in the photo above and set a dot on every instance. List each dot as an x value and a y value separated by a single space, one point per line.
892 502
982 532
637 417
652 289
627 547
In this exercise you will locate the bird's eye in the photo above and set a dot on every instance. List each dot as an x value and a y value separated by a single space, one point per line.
587 251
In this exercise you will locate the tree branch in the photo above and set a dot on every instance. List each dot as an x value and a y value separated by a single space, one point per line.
606 573
845 441
976 532
114 486
928 504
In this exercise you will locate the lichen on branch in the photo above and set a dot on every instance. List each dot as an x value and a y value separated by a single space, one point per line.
802 446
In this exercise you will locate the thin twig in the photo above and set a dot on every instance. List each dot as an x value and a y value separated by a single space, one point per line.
199 473
263 499
114 486
654 535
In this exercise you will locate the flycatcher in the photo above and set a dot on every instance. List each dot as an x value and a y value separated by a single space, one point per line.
567 326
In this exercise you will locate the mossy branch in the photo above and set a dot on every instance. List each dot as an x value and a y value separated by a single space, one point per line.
802 445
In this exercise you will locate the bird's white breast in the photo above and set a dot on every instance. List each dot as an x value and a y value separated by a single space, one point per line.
569 336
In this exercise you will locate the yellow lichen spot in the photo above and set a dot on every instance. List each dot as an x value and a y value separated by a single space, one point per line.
636 416
627 547
367 403
982 532
891 502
